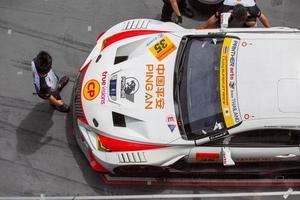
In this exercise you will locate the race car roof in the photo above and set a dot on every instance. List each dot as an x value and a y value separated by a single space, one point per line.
268 75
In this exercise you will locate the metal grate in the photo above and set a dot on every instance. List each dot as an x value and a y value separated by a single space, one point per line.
77 98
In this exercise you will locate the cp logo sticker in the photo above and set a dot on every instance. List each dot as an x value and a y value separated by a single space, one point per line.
91 89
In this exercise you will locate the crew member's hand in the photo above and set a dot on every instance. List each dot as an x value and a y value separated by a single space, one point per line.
60 102
179 20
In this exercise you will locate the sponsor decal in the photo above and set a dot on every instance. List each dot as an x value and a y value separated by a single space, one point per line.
104 87
154 39
207 156
113 88
155 87
91 89
171 127
171 122
162 48
129 86
228 91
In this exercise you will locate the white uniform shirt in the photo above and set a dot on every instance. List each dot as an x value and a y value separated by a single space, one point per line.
51 79
246 3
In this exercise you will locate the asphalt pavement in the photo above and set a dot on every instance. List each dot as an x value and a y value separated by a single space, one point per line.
38 153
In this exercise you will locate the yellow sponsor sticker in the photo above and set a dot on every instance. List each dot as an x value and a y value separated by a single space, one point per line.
162 48
224 83
91 89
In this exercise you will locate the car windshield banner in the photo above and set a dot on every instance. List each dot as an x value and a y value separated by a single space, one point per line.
228 91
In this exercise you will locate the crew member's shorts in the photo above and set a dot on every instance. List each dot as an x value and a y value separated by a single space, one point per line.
46 93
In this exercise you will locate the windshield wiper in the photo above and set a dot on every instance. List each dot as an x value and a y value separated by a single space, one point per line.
180 60
177 82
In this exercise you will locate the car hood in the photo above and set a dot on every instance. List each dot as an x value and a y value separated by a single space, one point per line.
135 96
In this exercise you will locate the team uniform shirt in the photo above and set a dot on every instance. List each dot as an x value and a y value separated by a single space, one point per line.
45 86
252 9
246 3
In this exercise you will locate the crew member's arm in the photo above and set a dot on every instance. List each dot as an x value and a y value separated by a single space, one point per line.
45 93
53 101
211 22
175 7
264 20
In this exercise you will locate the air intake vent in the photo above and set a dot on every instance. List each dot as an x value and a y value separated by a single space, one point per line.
118 119
77 92
119 59
132 157
136 24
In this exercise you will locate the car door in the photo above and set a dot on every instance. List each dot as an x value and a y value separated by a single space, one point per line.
265 145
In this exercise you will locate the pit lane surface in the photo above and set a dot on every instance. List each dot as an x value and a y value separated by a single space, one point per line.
38 153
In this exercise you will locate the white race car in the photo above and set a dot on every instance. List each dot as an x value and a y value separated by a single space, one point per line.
153 95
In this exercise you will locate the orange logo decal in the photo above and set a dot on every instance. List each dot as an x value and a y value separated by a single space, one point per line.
91 89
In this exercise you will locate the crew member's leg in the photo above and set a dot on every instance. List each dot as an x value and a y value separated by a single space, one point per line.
185 10
167 11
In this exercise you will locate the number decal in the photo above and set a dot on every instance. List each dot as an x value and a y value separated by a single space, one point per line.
157 48
162 48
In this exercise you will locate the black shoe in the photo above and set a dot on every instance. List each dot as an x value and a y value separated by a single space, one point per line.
63 108
62 82
188 12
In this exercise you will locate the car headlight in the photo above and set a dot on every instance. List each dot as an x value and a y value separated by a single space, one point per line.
101 147
93 137
95 140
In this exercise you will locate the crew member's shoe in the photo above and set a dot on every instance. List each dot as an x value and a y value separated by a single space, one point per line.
188 12
63 108
62 82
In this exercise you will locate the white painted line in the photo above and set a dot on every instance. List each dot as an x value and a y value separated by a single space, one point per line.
89 28
288 193
9 31
189 180
284 194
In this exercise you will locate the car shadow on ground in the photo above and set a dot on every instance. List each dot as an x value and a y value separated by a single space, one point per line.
31 133
93 179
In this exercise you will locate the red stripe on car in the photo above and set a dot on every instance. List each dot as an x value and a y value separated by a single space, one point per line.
83 119
122 145
95 164
99 36
87 65
207 156
127 34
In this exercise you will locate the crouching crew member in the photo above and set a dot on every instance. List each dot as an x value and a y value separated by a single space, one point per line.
47 83
238 19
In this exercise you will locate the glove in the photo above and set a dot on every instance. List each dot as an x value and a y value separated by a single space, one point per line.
179 20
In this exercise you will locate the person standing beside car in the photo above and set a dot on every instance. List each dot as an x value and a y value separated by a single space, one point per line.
176 6
252 11
47 83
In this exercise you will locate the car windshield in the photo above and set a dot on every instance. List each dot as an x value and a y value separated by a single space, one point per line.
198 87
